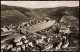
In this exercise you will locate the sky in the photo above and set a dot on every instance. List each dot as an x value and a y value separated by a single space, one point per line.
41 4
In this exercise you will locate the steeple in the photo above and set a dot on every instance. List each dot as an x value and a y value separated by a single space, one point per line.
66 12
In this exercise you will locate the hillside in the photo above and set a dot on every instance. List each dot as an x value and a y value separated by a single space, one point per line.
9 14
15 15
12 17
58 12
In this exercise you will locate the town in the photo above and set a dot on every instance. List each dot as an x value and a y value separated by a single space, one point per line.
21 38
39 26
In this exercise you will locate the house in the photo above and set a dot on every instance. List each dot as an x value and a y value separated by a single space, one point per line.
19 43
3 46
31 44
48 47
17 39
64 29
65 45
4 29
14 49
